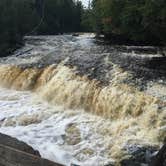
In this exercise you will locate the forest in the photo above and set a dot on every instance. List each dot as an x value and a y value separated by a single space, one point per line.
129 21
136 21
33 17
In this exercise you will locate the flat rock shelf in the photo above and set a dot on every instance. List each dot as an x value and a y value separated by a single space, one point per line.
14 153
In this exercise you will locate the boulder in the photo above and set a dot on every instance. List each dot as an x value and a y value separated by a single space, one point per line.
160 158
19 145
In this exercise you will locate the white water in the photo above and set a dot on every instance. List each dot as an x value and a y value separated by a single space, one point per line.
44 128
73 136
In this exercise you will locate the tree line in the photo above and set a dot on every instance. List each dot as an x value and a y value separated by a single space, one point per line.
130 21
135 21
34 17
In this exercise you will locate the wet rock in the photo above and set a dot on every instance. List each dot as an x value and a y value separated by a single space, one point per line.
88 151
160 158
145 63
109 164
73 135
157 63
75 34
138 155
14 143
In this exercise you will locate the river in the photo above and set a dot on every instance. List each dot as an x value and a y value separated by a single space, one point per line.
80 101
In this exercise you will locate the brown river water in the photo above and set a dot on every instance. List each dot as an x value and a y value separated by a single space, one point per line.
80 101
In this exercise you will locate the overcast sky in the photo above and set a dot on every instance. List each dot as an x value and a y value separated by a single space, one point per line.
85 2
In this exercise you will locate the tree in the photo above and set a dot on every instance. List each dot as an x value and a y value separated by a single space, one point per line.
16 18
142 21
28 17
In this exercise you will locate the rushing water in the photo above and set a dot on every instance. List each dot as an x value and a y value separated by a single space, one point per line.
64 136
79 102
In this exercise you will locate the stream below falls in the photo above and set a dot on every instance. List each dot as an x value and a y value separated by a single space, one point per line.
80 101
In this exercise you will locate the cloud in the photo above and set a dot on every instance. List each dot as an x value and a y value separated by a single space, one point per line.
85 2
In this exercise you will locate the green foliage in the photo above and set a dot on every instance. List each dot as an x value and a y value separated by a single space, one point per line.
137 20
86 20
61 16
23 17
15 20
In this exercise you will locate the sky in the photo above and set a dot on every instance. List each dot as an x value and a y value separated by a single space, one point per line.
85 2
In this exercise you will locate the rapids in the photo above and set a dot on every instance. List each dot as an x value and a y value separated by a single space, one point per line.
77 101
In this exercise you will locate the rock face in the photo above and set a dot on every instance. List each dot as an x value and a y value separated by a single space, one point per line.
160 159
14 143
14 152
139 155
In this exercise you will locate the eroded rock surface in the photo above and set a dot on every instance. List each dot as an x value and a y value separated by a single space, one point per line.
160 158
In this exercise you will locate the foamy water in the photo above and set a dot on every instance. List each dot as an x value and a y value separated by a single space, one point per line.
68 136
45 128
69 118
